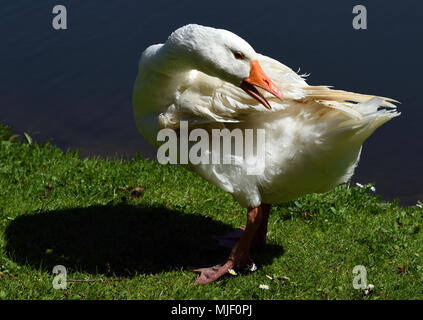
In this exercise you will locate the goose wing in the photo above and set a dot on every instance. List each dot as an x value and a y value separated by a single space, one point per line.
203 99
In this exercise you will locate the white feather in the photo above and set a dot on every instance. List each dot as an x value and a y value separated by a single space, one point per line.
313 137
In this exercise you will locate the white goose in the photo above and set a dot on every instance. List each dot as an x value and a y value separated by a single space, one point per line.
313 134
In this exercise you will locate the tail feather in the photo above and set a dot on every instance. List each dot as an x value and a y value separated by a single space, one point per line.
364 113
371 117
327 94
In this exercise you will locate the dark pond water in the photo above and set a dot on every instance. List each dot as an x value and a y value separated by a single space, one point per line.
74 86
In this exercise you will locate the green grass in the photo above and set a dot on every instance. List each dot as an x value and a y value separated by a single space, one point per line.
59 209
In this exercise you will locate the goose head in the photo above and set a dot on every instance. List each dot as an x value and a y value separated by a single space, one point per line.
222 54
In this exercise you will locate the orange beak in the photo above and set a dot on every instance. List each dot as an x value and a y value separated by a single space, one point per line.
260 79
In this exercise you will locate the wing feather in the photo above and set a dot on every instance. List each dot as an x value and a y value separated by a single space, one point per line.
205 99
327 94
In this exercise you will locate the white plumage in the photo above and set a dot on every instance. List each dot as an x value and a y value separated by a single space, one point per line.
313 136
209 78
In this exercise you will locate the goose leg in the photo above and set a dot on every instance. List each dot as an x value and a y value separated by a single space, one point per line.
239 256
260 237
229 240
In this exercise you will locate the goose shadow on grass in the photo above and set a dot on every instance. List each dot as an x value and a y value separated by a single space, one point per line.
122 240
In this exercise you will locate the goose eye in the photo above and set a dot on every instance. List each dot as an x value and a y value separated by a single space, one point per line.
239 55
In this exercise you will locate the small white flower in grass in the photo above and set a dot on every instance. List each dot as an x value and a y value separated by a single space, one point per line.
253 267
419 206
359 185
373 189
232 272
264 286
369 289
